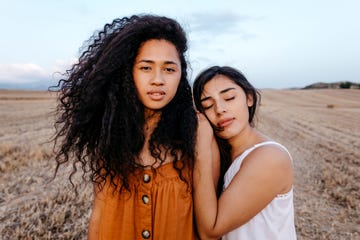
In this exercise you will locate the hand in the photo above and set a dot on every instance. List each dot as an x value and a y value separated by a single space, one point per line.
205 133
206 146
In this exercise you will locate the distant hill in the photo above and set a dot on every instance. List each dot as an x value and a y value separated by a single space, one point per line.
334 85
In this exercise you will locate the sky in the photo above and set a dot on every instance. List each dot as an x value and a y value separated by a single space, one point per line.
276 44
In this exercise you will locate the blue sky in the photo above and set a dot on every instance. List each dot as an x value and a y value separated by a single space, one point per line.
276 44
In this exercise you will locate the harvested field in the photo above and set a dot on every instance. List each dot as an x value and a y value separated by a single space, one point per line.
320 128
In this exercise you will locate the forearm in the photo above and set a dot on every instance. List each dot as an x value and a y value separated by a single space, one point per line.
205 200
215 163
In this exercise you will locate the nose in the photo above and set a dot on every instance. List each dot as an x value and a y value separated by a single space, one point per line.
158 78
220 107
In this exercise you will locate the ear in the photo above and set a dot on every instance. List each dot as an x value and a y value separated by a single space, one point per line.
249 100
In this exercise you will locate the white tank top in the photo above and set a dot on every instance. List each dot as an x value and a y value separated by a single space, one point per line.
275 221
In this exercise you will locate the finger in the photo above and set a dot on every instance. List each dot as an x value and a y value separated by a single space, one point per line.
201 116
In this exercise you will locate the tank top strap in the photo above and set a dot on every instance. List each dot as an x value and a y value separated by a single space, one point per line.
274 143
252 148
236 164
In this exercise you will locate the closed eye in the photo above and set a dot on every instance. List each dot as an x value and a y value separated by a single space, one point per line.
207 107
229 99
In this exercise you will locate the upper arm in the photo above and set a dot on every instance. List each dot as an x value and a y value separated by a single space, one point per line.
265 172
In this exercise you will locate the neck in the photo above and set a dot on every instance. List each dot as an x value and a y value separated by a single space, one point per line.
151 119
245 140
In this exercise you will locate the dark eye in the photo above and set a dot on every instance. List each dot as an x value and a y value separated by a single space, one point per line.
145 68
169 70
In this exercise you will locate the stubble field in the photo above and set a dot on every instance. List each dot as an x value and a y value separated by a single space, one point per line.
320 128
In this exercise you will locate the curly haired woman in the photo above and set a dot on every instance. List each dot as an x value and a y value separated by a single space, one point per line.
126 115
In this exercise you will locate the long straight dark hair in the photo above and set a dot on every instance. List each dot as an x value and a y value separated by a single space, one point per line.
238 78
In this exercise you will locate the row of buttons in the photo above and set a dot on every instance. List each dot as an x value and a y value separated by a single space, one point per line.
145 199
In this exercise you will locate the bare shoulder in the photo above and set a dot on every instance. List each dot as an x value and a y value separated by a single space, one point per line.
270 155
273 161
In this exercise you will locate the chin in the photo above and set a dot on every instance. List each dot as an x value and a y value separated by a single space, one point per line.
223 136
226 134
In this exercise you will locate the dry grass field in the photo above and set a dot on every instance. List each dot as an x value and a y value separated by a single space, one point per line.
321 128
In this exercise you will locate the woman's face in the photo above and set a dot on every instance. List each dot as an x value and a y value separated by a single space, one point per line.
157 73
226 106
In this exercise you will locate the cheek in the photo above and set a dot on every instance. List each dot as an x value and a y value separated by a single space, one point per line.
138 87
136 79
174 85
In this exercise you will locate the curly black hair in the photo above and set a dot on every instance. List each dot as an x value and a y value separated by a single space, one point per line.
99 116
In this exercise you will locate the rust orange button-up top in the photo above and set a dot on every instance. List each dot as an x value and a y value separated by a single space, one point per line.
158 207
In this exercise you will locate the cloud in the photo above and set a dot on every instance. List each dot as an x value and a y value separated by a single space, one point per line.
22 73
60 65
222 23
30 72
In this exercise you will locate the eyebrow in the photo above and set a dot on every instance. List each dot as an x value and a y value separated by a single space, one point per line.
221 92
151 61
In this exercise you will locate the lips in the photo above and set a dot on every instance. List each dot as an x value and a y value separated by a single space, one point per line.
156 95
225 122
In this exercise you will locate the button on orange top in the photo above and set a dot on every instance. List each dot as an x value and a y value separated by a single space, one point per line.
160 208
146 178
